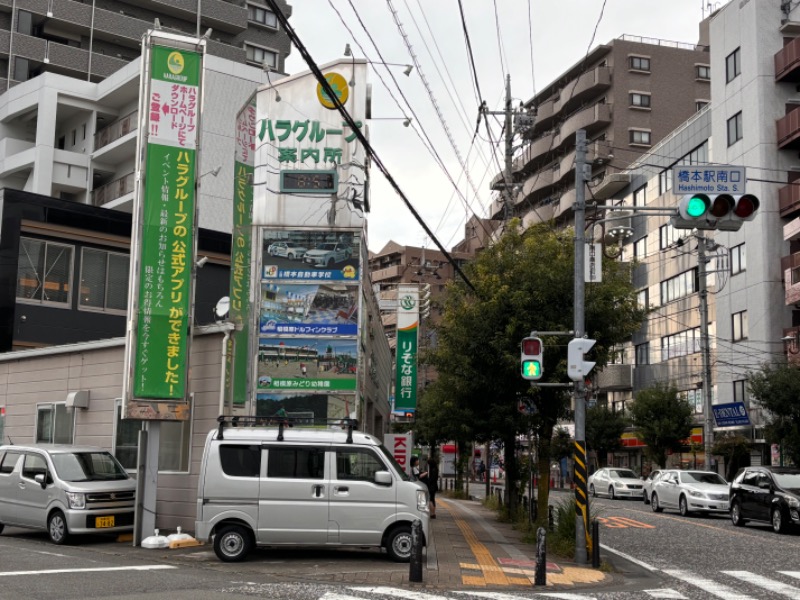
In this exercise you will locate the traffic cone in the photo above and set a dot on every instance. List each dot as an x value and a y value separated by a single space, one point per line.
494 477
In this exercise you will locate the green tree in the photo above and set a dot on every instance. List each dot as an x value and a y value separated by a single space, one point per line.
662 420
734 447
604 429
776 387
523 282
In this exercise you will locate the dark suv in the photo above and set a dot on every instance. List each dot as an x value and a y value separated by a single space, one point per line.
766 494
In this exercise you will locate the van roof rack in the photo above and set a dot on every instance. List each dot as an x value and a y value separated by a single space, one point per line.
283 421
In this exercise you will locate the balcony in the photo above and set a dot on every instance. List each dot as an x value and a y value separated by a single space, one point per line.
592 119
537 153
787 62
791 282
116 130
615 378
114 190
538 182
789 199
585 87
393 272
221 15
788 130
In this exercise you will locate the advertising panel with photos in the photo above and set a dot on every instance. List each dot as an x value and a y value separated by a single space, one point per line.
327 255
308 309
306 405
307 364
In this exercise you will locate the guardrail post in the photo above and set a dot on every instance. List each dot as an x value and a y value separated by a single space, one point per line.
415 565
540 578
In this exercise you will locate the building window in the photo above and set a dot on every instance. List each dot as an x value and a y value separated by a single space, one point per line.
643 298
640 63
680 344
173 451
643 354
698 156
262 16
740 391
738 259
667 236
700 105
703 72
261 56
640 196
640 100
735 128
640 248
639 137
44 273
733 65
694 398
679 286
104 280
739 326
664 181
22 69
54 425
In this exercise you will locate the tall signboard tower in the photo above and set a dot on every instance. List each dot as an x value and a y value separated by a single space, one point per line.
405 388
309 202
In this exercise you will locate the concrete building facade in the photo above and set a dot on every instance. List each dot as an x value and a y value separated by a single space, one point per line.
93 40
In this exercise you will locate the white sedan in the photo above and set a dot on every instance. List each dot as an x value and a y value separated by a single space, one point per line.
615 483
690 491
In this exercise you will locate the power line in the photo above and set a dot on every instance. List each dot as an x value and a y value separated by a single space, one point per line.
312 65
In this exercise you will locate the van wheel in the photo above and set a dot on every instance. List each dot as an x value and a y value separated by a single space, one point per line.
57 528
232 543
398 544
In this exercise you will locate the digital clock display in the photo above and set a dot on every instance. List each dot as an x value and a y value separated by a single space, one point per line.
309 182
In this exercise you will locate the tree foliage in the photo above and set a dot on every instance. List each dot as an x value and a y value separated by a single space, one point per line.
604 429
734 447
662 420
523 282
776 387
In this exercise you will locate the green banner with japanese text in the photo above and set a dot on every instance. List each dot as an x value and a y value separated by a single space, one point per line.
406 369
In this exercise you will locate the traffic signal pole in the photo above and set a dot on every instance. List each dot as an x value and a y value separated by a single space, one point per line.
705 346
579 453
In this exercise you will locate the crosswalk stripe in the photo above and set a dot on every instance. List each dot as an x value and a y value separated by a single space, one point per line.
714 588
333 596
398 593
766 583
665 594
795 574
504 596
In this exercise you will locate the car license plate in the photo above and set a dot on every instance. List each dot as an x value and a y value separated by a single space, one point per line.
101 522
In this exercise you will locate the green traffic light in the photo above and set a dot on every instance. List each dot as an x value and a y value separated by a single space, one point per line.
696 207
531 369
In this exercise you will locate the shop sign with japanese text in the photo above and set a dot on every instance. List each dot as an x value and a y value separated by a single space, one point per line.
295 309
407 341
317 364
167 214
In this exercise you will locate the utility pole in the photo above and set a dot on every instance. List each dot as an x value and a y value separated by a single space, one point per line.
579 455
705 346
508 176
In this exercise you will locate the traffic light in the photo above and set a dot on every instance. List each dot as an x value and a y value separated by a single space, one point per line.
577 368
532 360
725 212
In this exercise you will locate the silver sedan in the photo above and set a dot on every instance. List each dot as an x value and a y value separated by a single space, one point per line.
615 483
690 491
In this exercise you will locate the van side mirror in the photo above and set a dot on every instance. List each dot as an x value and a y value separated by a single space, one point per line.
41 479
383 478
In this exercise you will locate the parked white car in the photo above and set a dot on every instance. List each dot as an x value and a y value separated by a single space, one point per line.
287 250
327 255
647 484
690 491
615 483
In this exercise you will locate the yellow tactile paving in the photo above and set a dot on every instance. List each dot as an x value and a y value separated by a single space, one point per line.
494 574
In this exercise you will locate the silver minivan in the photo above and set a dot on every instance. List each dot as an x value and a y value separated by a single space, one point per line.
65 490
275 485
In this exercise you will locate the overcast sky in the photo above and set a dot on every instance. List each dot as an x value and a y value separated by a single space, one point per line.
532 50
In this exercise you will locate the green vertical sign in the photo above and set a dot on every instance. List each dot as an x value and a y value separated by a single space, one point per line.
406 371
167 217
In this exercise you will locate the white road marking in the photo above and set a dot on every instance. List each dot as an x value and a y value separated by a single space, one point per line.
94 570
630 558
666 594
768 584
492 595
566 596
398 593
333 596
710 586
795 574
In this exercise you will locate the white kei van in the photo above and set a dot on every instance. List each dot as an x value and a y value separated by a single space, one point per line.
284 484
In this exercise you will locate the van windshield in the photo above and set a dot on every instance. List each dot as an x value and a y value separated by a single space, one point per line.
88 466
394 464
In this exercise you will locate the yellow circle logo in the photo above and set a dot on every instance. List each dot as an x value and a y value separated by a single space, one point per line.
339 85
175 63
349 272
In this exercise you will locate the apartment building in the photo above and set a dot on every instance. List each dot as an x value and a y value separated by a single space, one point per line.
626 95
93 40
